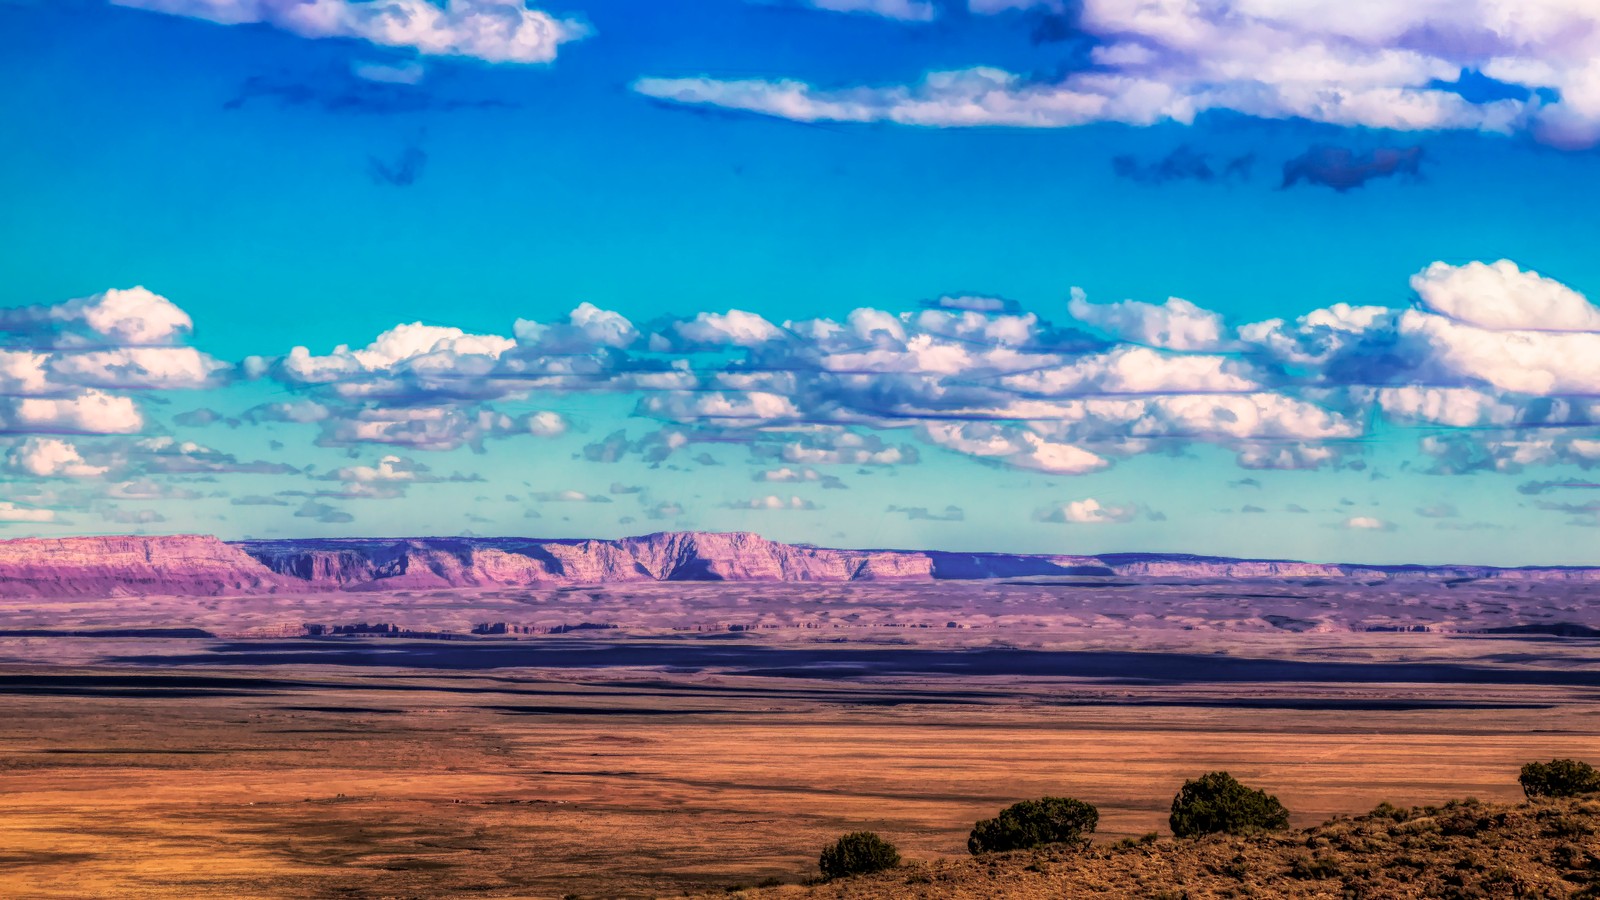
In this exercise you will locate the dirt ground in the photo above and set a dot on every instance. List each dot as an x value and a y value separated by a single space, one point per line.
647 762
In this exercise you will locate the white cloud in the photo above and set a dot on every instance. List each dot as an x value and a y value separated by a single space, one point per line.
1500 296
1174 325
389 468
1370 64
753 407
50 458
1088 511
134 316
420 346
1527 362
733 328
11 512
1135 370
984 380
772 502
490 30
89 412
149 368
1367 523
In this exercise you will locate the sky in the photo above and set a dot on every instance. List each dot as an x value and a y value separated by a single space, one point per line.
1264 278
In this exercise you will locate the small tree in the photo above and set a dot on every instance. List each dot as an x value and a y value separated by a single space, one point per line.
1219 803
1559 778
858 853
1034 823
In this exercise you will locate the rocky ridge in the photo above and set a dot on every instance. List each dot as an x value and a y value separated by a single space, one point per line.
203 565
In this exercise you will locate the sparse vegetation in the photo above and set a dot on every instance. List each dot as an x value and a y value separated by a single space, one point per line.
1034 823
1218 803
858 853
1559 778
1418 852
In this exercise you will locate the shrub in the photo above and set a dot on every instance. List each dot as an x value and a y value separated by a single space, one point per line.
858 853
1559 778
1034 823
1314 867
1219 803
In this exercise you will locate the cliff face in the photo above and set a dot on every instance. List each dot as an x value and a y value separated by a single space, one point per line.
115 566
197 565
670 556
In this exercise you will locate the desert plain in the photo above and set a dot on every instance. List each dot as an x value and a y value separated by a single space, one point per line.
657 739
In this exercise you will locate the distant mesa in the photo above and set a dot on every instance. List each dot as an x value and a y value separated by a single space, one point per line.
185 565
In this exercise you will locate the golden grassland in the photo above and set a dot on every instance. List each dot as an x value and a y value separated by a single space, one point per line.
395 782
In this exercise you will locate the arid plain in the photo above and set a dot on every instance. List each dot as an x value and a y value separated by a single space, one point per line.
719 734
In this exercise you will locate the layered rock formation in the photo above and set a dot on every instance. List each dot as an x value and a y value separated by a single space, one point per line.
487 562
113 566
191 564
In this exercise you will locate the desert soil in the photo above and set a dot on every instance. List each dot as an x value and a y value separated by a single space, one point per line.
226 767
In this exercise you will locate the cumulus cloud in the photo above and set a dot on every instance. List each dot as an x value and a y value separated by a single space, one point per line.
67 369
1491 366
87 412
977 377
12 512
1088 511
490 30
1500 296
836 447
1175 325
1367 523
394 470
789 475
772 502
50 458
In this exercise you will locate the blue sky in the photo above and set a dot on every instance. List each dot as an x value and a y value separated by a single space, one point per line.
275 179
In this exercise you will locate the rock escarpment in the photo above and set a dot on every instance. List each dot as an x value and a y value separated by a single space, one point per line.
200 565
488 562
182 564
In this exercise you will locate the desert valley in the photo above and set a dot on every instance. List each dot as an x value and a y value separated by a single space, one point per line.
690 712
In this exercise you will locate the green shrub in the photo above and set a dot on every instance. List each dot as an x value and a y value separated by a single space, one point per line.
858 853
1559 778
1219 803
1034 823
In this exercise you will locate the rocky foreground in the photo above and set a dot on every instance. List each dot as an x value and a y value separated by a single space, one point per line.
1462 850
185 565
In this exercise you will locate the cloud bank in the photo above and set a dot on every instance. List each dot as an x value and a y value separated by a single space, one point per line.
1491 367
1402 66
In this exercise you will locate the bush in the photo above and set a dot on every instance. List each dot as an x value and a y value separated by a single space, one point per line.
1034 823
858 853
1559 778
1219 803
